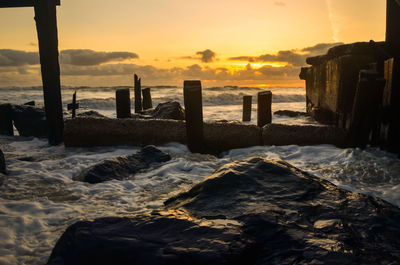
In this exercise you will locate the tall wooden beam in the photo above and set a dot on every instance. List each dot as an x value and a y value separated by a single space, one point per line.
46 24
393 26
21 3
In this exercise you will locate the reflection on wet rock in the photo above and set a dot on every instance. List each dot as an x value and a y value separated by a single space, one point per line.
252 211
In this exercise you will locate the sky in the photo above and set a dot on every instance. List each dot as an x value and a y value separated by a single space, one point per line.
235 42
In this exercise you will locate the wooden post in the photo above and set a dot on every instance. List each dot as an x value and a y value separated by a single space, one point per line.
264 115
147 103
390 126
138 95
194 115
46 24
393 26
364 118
73 106
247 102
6 120
123 103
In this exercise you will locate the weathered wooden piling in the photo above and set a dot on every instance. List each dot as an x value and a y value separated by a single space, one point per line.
264 115
192 93
6 122
247 102
138 95
73 106
147 102
364 118
123 103
46 24
393 27
390 125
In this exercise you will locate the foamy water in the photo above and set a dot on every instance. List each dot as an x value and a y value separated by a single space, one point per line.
39 199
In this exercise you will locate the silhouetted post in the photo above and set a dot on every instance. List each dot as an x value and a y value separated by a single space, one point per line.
393 26
264 115
138 95
247 100
390 126
123 102
6 123
73 106
46 24
147 103
364 118
194 115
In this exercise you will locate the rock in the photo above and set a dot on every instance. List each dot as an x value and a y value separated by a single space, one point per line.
30 121
169 110
147 240
120 168
280 134
2 163
83 113
6 124
254 211
290 113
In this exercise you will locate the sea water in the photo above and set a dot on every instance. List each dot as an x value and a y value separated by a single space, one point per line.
39 199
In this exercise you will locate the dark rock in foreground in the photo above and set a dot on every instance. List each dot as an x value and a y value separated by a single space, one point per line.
290 113
255 211
2 163
120 168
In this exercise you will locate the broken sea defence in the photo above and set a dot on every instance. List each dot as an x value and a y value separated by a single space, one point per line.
253 211
218 136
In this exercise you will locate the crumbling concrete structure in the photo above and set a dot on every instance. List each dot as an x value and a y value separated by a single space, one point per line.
337 91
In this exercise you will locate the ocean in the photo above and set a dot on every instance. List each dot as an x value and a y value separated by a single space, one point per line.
39 199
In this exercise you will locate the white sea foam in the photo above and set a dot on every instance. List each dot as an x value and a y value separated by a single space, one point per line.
39 199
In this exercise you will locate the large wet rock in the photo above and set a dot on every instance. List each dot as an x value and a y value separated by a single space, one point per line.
30 121
2 163
168 110
120 168
255 211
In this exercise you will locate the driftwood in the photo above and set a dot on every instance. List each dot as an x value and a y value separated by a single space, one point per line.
219 136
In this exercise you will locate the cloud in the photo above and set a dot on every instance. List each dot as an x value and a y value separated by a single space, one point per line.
18 67
18 58
331 16
90 57
10 57
206 56
279 3
291 57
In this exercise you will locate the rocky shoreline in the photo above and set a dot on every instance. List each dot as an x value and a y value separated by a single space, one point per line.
252 211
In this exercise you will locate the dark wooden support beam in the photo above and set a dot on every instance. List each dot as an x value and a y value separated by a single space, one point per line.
21 3
46 24
393 27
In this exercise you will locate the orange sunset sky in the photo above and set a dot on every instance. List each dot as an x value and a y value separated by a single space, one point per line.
235 42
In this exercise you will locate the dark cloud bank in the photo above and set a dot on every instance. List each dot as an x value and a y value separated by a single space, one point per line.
81 63
72 57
